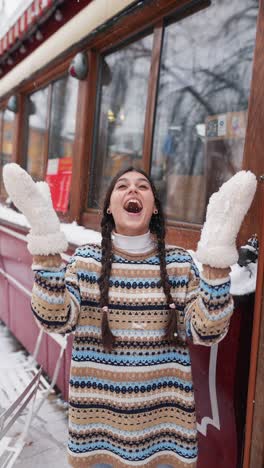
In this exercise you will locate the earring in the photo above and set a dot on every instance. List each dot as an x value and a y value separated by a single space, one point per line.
155 211
108 211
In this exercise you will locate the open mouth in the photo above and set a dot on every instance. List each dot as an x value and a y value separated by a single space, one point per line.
133 206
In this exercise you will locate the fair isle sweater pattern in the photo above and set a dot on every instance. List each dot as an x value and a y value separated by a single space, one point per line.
133 407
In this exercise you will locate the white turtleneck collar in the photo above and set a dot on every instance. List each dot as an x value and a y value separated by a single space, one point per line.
134 244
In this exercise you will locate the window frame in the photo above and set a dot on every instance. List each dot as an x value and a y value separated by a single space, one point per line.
126 28
46 131
146 147
115 32
3 107
48 83
178 231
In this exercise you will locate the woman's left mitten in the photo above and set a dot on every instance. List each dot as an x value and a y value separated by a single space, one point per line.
225 213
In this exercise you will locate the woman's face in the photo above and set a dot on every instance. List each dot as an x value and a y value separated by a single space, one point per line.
132 204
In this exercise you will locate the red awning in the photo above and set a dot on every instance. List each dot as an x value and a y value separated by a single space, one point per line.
31 15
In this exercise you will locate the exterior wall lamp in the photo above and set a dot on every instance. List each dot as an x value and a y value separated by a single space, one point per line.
79 66
12 104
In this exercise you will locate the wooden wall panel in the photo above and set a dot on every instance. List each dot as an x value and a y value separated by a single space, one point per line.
18 131
254 144
254 440
152 96
253 160
84 139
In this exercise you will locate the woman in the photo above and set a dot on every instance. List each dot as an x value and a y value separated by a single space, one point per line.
132 303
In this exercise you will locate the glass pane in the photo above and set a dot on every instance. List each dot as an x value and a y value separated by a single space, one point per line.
6 141
202 105
61 140
37 113
63 117
119 140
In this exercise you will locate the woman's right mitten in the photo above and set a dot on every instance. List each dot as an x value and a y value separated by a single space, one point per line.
33 199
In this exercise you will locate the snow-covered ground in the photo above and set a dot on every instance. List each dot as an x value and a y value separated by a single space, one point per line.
46 443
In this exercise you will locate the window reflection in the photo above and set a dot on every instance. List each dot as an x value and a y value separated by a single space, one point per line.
63 116
37 121
61 141
51 117
6 143
119 140
202 105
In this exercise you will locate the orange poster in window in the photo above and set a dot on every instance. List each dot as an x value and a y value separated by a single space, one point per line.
58 177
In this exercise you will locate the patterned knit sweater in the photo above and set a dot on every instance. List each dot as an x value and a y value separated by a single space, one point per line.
133 407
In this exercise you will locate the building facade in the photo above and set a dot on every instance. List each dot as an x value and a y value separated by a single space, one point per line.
174 87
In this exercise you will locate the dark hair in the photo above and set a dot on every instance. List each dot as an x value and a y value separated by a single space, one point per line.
157 227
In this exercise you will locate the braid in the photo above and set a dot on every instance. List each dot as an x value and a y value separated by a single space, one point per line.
157 226
171 330
107 258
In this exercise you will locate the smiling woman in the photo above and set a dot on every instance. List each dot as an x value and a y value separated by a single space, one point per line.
169 90
133 304
132 204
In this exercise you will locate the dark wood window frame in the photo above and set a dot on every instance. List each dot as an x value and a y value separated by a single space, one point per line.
46 131
178 232
128 27
47 81
43 78
3 107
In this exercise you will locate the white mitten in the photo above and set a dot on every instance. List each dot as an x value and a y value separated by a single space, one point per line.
225 213
34 201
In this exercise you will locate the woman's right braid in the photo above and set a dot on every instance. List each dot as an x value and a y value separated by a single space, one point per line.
158 227
171 330
108 338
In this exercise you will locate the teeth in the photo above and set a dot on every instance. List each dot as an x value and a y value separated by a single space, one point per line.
133 205
133 200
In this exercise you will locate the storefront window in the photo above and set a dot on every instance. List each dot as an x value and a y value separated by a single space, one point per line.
51 132
37 123
6 142
61 140
63 115
202 105
123 97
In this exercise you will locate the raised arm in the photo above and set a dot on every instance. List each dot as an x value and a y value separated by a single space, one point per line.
55 296
209 303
